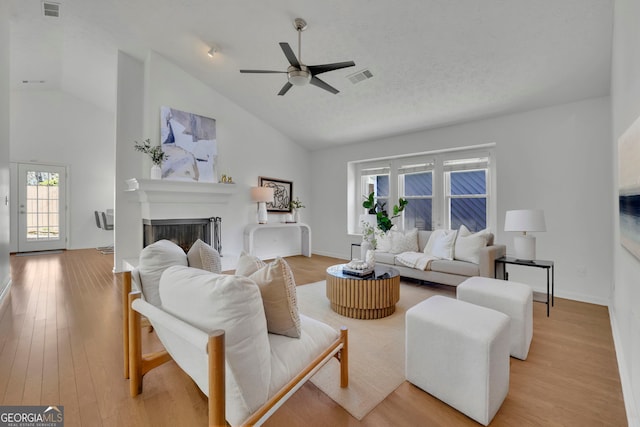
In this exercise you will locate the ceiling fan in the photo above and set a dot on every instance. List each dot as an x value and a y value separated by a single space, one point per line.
299 74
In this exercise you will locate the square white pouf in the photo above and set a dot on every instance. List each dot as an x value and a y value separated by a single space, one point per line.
459 353
511 298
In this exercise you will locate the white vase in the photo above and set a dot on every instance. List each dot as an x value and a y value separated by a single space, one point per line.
364 247
296 215
156 172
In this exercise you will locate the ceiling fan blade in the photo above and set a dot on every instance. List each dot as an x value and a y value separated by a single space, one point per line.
323 85
289 54
262 71
285 88
319 69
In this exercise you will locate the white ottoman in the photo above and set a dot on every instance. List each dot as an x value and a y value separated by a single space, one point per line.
511 298
459 353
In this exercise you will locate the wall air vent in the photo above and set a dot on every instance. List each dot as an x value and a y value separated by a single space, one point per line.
360 76
51 9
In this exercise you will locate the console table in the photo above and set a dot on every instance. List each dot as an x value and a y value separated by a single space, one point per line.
547 265
305 234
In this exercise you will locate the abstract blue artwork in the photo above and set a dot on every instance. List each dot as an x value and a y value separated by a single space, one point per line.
629 188
189 140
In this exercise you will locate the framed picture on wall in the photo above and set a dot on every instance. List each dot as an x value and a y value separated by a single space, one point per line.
282 194
629 188
190 142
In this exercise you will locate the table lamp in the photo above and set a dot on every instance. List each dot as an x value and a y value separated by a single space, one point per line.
524 220
262 195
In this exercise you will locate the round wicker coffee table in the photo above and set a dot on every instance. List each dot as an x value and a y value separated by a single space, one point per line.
371 297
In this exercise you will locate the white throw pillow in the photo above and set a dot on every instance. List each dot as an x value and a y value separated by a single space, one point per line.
211 301
154 260
383 242
404 241
248 264
441 244
468 245
278 290
204 257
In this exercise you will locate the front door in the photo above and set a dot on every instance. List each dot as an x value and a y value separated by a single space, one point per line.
41 207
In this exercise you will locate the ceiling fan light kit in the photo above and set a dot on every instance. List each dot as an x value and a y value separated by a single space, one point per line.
299 74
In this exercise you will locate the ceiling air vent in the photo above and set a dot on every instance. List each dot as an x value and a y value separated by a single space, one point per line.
51 9
359 76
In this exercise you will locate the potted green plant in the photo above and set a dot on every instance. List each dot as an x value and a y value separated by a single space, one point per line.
296 205
376 208
155 153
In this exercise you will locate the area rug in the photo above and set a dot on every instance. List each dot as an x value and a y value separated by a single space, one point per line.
376 347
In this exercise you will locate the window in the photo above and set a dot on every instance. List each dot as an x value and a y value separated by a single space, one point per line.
416 185
444 189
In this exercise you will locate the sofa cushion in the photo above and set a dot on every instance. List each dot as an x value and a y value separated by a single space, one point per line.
404 241
289 357
441 244
154 260
211 301
278 290
248 264
204 257
468 245
461 268
385 257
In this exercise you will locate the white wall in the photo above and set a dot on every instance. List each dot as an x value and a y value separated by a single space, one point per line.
625 100
557 159
5 273
247 148
54 127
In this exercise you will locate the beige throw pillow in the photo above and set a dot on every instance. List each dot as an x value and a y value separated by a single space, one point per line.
204 257
278 289
248 264
404 242
468 245
441 244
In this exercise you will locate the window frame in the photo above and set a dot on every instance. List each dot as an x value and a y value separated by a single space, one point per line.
440 203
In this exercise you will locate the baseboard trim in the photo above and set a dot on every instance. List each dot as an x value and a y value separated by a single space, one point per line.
330 254
633 417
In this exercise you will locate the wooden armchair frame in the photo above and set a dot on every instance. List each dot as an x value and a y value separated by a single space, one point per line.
138 364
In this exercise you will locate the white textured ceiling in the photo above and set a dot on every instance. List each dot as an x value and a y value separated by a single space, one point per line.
434 62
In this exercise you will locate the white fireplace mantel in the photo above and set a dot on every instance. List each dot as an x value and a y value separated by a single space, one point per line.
162 198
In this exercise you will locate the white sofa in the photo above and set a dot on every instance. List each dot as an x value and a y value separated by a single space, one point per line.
447 272
214 327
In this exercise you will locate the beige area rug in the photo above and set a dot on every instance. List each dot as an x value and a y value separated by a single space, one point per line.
376 347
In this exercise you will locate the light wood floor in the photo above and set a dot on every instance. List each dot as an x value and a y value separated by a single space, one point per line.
60 343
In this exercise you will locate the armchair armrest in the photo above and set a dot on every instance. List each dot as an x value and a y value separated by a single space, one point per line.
488 257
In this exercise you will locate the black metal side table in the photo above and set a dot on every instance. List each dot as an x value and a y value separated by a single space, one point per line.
547 265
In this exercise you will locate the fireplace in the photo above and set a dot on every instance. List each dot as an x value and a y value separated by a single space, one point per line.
183 232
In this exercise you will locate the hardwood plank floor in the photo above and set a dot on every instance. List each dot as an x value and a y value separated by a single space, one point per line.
60 343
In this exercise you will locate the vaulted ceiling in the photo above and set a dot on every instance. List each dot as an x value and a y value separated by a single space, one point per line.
434 62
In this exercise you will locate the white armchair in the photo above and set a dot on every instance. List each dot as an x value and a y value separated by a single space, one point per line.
214 327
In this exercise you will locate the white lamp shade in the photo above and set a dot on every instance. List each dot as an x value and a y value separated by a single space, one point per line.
262 194
525 220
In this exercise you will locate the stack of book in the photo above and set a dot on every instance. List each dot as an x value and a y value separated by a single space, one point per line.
357 273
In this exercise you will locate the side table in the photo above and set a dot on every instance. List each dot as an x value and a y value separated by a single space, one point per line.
547 265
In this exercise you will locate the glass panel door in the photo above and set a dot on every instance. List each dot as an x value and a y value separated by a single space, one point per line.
41 210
